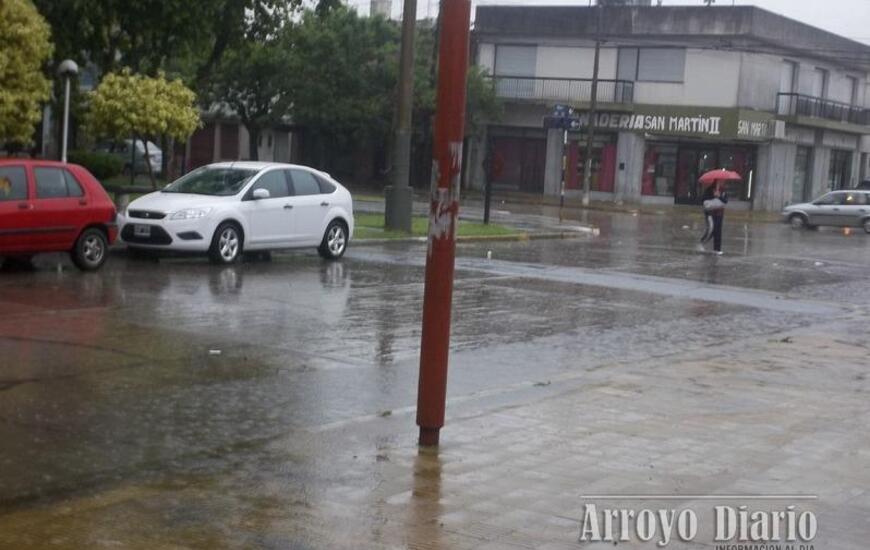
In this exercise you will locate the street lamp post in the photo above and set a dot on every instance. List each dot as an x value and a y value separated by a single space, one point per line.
67 70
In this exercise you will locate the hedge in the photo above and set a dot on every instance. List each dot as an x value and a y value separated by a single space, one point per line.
101 165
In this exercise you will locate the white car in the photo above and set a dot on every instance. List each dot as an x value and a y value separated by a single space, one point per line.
229 208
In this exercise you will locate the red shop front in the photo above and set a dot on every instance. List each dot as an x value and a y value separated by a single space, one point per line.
603 163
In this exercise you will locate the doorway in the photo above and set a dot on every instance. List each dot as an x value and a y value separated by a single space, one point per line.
800 188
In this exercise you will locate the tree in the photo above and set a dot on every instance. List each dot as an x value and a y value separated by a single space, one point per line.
345 66
253 81
482 104
26 47
186 37
132 105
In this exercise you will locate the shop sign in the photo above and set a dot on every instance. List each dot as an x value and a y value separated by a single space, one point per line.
753 129
672 120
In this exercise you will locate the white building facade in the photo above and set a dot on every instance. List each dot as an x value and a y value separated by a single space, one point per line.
682 90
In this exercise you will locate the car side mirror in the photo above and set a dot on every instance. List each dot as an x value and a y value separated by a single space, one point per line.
260 194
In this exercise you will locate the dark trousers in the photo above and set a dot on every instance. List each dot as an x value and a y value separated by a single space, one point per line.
717 232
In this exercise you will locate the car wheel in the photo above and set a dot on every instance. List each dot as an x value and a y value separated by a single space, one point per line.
334 241
90 250
226 245
867 225
798 221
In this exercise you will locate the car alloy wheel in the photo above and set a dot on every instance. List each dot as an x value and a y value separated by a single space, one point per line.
90 250
226 245
334 241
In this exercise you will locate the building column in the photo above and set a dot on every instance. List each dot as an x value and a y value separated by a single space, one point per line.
476 170
630 149
821 166
774 175
553 163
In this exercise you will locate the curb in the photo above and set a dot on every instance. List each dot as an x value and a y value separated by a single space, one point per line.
512 237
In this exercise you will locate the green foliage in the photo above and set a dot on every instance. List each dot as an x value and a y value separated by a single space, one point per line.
482 104
344 67
102 165
25 48
128 104
185 37
253 80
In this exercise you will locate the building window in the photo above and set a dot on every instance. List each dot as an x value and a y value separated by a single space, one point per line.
515 60
788 77
651 64
626 64
820 83
515 69
853 90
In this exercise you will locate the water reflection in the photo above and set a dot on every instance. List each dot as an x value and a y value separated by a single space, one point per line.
426 508
227 280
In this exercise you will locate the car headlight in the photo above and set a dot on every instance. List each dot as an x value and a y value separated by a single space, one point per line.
190 214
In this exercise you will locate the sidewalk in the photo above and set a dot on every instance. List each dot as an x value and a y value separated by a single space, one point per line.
778 415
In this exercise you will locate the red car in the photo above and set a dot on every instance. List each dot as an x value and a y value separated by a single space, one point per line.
49 206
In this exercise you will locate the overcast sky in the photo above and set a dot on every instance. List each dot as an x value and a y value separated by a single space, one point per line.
850 18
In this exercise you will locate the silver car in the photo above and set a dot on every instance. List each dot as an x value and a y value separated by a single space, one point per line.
849 208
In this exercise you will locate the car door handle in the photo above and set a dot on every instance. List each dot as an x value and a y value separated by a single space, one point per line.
288 207
23 206
324 203
83 202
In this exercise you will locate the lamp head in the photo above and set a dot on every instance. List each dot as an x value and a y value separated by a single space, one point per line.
68 67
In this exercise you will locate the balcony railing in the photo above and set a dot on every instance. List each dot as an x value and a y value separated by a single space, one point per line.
562 89
805 105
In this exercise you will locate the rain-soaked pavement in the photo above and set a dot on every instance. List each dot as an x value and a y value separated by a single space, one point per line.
270 404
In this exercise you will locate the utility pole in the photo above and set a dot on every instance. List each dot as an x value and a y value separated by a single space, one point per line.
593 104
399 196
444 208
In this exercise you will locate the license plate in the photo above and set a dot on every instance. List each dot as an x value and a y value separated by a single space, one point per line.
142 231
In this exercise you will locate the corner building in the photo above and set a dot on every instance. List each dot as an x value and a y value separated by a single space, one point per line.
681 90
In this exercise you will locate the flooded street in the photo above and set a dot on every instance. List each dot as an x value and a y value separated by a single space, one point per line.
176 404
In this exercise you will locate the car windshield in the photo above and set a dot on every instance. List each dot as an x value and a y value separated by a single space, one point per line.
212 181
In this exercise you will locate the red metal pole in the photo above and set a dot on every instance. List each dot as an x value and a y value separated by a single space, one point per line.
444 207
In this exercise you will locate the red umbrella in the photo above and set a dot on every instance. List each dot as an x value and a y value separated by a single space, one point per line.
713 176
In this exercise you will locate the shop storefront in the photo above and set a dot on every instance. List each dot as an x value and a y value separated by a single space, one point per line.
676 145
672 169
517 159
603 163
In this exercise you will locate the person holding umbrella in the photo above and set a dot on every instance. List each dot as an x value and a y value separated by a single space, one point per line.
714 200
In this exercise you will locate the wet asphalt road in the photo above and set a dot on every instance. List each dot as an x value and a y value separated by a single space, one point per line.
159 373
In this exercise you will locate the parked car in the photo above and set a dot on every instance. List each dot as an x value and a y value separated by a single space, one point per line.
49 206
849 208
228 208
121 149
